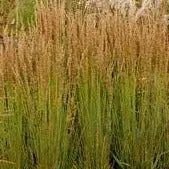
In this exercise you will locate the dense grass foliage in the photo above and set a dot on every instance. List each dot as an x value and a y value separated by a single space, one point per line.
84 90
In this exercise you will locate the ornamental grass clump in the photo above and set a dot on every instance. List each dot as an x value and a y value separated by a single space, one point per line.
85 91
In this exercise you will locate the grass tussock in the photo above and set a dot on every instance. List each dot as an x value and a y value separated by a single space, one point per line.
85 91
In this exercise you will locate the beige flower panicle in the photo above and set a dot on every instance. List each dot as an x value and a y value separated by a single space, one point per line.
129 7
148 5
123 6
